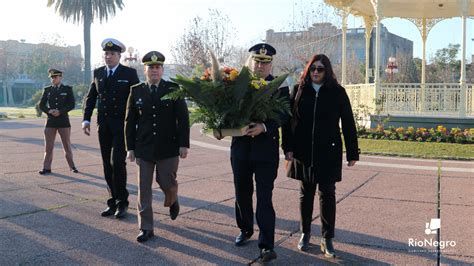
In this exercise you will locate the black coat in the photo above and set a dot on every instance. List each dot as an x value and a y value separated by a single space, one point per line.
62 99
111 93
264 147
321 146
154 128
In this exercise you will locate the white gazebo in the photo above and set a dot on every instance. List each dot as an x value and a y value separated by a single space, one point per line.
446 100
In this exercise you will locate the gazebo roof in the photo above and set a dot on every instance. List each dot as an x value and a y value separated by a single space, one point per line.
407 8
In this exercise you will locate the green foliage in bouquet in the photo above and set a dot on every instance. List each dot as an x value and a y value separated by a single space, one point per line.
228 99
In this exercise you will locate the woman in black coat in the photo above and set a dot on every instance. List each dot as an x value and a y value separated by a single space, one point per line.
313 145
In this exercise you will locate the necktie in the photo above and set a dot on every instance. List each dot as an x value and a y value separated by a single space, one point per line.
154 91
110 73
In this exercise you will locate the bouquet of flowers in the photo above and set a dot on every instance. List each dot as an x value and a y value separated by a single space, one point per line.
229 99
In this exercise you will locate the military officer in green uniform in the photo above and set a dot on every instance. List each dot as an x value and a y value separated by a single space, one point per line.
157 135
57 100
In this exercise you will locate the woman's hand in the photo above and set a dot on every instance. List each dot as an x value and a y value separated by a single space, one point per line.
289 156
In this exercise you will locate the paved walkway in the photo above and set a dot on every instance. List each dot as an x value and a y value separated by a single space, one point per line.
383 204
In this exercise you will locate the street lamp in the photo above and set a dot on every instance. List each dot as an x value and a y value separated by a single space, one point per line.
132 58
392 68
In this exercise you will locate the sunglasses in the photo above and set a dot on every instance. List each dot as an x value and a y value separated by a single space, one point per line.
319 69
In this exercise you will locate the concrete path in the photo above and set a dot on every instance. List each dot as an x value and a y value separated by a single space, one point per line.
383 206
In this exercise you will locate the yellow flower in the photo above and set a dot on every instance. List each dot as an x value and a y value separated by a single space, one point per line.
255 84
233 74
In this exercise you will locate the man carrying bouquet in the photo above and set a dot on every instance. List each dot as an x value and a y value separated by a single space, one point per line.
256 153
156 133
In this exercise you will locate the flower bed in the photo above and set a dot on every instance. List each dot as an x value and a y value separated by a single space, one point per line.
438 134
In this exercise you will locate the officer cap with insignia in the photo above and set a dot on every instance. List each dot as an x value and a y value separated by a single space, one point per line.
153 58
111 44
262 52
52 72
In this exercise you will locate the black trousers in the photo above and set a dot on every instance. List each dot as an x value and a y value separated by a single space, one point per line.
112 148
265 175
327 206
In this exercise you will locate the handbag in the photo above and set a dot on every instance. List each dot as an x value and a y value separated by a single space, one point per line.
295 169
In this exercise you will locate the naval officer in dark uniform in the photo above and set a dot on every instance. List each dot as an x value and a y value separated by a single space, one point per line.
57 100
257 154
157 132
110 89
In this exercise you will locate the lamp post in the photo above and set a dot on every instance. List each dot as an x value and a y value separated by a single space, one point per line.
392 68
132 58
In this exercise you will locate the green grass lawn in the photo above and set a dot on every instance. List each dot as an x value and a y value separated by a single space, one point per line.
417 149
30 112
367 146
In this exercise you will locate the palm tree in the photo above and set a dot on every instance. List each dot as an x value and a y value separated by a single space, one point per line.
86 11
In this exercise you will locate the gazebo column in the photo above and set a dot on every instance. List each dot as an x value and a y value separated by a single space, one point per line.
424 36
464 5
344 47
378 18
368 21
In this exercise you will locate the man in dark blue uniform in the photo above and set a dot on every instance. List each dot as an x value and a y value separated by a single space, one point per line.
110 88
157 132
257 153
57 100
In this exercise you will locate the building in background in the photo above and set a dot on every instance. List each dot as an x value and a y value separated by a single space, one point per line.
294 48
23 68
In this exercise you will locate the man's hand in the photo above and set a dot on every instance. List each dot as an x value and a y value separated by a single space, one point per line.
183 152
351 163
86 127
131 155
289 156
255 129
54 112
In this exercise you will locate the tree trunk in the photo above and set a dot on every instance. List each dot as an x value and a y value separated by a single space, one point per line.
5 99
87 42
11 101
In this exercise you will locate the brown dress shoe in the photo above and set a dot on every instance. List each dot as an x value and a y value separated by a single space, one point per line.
44 171
174 210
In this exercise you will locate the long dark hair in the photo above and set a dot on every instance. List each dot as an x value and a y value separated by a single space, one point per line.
329 78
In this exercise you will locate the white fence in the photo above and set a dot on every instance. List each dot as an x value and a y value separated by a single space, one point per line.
414 99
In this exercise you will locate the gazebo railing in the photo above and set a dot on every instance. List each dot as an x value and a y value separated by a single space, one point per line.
414 99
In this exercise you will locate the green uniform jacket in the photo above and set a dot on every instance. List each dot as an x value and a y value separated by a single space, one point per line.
154 128
62 99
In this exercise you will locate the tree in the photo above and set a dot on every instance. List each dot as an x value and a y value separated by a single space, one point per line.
86 11
446 67
214 33
310 30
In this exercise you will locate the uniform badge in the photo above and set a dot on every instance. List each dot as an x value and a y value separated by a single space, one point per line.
263 50
154 58
110 44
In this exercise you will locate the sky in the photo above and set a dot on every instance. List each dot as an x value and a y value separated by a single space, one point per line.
156 25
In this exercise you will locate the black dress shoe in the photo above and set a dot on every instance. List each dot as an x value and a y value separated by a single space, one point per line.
121 212
267 255
74 170
44 171
242 238
303 245
144 235
108 212
174 210
327 248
